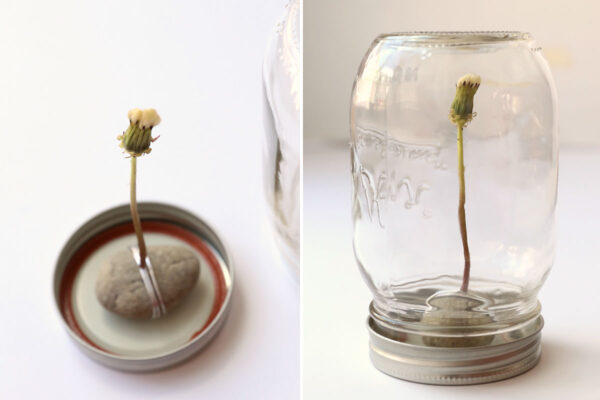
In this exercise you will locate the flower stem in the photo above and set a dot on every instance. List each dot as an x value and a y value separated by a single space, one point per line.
137 224
462 219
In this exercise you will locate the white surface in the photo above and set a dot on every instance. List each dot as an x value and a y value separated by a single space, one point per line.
337 37
335 299
70 72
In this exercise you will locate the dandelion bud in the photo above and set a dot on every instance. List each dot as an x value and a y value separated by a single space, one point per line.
461 110
136 140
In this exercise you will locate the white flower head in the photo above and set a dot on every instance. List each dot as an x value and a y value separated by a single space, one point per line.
149 118
134 115
469 80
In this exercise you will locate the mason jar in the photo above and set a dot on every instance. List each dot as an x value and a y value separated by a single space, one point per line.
453 207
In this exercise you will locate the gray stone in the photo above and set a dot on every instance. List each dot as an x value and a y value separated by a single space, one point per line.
120 289
457 314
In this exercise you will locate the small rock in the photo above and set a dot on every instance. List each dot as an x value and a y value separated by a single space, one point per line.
456 311
120 289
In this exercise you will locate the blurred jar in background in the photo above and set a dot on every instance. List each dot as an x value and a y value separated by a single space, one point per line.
281 80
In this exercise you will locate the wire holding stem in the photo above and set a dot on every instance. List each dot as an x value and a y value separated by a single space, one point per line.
137 224
462 219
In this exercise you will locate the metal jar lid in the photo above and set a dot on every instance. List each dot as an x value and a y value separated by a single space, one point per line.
148 345
413 356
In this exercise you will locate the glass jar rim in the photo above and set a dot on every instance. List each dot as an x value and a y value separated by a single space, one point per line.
453 38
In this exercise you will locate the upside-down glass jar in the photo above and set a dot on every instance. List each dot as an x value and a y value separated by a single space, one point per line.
455 166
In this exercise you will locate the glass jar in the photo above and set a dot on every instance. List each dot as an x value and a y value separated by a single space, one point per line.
446 286
281 83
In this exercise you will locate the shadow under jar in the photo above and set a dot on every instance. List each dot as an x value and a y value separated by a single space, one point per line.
425 324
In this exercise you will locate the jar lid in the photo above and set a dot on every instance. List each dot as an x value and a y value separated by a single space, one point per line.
142 345
415 357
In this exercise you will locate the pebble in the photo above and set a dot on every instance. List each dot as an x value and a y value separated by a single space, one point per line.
456 311
120 289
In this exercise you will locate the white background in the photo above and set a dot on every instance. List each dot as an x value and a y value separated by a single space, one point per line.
69 73
337 37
